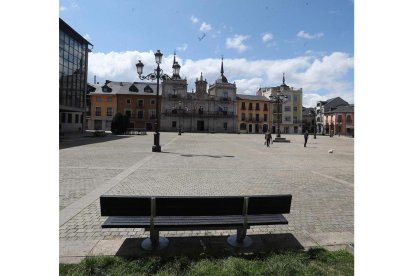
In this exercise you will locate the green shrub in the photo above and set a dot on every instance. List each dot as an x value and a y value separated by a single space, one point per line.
120 123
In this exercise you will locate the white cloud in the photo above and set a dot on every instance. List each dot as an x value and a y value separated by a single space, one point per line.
267 37
182 47
319 77
236 42
305 35
87 37
62 8
205 27
194 19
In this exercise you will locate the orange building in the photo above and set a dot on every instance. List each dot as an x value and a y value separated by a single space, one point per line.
136 100
253 113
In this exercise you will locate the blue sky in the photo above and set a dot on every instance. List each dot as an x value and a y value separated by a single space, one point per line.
312 42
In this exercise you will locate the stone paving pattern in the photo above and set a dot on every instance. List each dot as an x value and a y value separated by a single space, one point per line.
322 184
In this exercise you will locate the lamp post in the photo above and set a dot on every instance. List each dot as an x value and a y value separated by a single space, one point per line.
279 98
157 74
180 112
314 131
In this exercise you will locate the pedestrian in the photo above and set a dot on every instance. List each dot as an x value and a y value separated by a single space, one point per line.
306 137
268 138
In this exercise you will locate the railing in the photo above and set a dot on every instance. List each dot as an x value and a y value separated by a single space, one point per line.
174 96
198 114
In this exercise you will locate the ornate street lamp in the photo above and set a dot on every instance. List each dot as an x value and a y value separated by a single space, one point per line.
279 98
180 112
314 131
158 74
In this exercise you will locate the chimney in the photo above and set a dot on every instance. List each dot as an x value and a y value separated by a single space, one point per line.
94 79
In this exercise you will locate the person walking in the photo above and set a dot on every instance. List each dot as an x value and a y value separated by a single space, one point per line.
268 138
306 137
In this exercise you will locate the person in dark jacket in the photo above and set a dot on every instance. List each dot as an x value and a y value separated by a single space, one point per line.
268 138
306 137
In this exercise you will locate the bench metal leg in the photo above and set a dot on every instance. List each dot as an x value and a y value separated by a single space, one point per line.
154 242
240 239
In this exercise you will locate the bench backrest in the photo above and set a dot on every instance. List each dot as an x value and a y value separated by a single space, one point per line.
194 206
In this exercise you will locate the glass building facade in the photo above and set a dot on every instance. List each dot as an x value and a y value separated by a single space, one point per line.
73 69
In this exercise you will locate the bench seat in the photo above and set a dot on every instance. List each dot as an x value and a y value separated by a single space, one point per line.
178 213
192 222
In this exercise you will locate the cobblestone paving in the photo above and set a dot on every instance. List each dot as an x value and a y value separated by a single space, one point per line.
322 184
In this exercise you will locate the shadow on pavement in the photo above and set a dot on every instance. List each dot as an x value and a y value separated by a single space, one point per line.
215 246
75 141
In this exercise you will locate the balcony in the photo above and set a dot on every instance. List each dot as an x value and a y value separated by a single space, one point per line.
225 99
196 113
174 97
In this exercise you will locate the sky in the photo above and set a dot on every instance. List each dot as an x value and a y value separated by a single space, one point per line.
312 42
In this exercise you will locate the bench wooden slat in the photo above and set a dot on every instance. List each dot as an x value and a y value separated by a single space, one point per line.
193 222
125 206
199 206
274 204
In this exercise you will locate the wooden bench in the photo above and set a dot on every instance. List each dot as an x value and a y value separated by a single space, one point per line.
169 213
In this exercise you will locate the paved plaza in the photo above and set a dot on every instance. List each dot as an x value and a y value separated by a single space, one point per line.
321 183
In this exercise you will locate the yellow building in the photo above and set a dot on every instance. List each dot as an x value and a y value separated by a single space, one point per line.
253 114
290 115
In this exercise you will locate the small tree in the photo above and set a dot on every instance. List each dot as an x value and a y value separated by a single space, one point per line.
119 123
